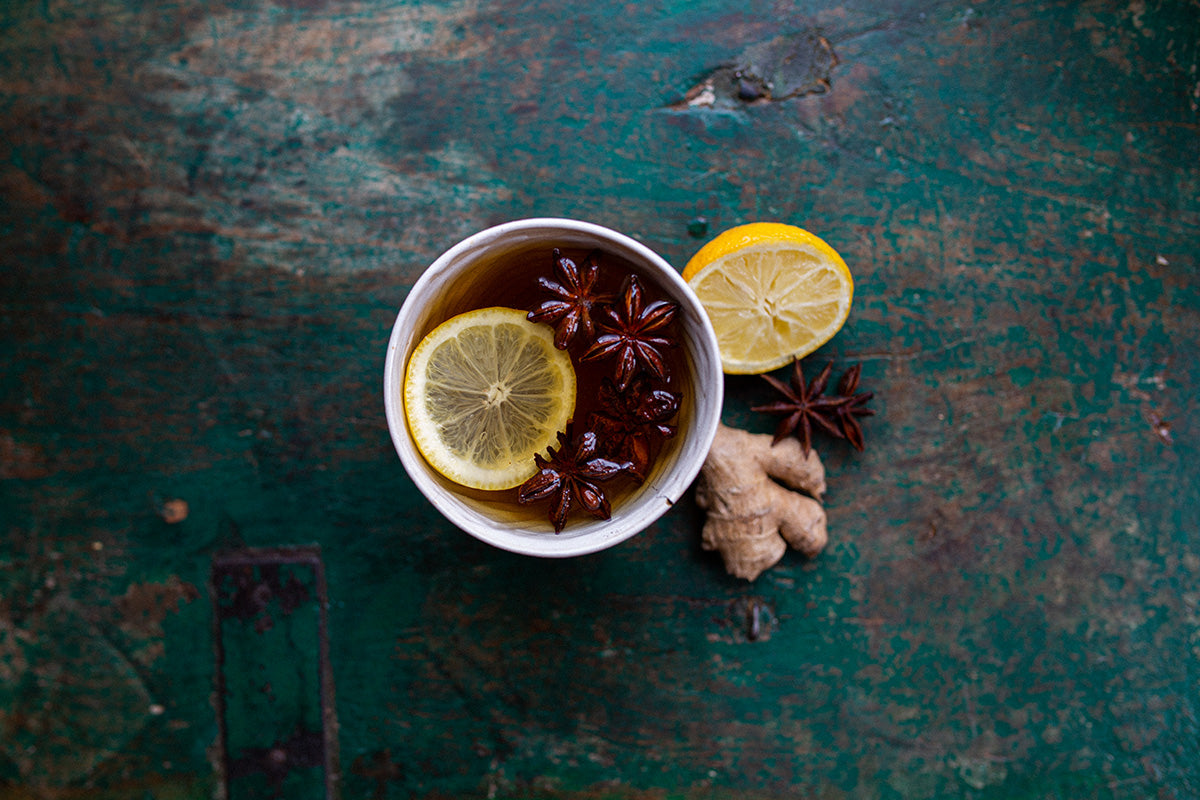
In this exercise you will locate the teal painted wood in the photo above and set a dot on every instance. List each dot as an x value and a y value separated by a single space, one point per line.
212 211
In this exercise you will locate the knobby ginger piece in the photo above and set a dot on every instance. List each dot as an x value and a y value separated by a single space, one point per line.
751 518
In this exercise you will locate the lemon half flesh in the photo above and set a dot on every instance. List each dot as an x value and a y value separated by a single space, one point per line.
773 292
483 393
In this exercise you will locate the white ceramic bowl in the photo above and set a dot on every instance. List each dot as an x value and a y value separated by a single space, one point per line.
525 529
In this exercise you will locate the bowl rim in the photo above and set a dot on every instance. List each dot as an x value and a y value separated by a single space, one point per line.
599 534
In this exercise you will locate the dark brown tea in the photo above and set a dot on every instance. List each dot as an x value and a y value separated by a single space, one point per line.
512 280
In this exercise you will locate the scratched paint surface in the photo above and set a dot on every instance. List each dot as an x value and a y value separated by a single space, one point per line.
210 213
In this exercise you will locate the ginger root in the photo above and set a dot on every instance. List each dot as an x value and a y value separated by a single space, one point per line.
751 518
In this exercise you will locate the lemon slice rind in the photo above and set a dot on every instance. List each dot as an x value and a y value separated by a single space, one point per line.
773 293
483 393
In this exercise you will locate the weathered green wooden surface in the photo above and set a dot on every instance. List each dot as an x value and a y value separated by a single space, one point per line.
211 211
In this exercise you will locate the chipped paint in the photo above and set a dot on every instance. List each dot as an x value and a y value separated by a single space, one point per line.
207 238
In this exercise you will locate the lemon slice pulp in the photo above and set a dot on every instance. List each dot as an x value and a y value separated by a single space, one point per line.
484 392
773 292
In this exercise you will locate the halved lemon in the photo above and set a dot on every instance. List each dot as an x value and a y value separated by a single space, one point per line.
485 391
773 292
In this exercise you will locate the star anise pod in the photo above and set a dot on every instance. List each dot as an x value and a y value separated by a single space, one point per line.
633 332
852 405
805 407
629 423
571 476
575 300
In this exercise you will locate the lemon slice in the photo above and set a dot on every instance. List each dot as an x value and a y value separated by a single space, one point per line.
484 392
773 292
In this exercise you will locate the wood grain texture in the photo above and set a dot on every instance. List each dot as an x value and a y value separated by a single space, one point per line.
210 213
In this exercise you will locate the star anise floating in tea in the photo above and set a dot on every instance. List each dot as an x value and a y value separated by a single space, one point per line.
574 301
633 332
571 476
807 408
629 332
634 421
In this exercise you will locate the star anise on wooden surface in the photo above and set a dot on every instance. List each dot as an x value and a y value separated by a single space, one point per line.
632 422
571 476
804 406
574 302
852 405
634 332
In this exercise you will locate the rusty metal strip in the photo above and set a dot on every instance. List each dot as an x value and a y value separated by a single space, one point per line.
274 686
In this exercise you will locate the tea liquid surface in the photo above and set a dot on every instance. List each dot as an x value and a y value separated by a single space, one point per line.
512 281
